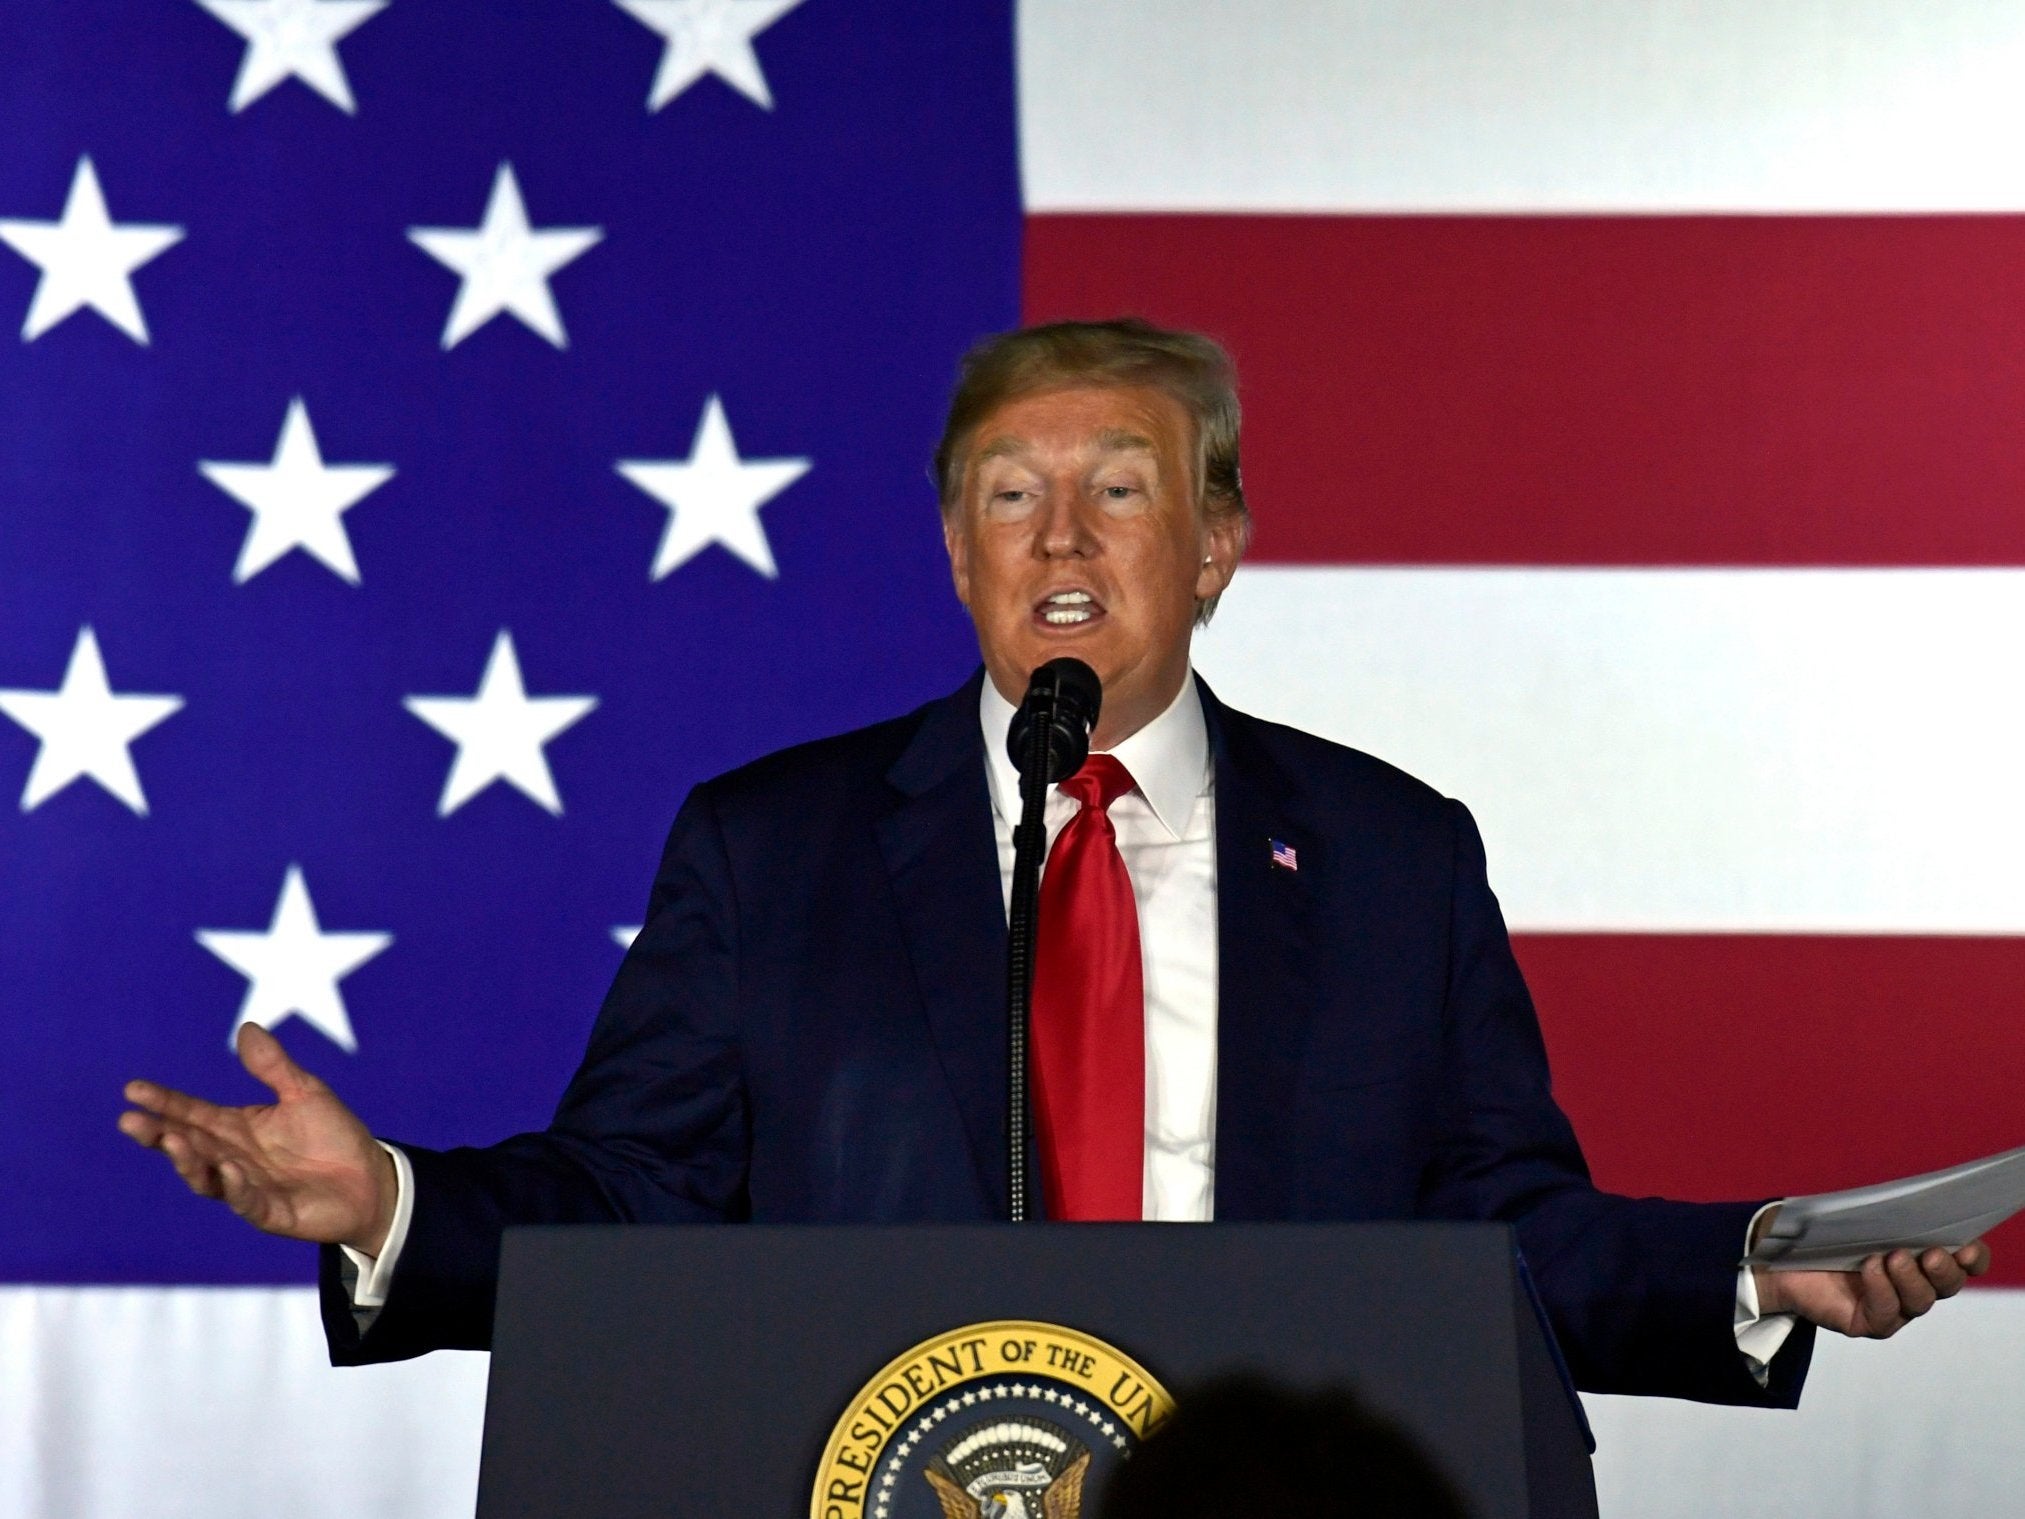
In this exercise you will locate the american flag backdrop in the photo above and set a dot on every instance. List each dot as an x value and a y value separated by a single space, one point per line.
483 419
441 431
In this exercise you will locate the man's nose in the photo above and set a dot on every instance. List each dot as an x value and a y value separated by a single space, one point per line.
1065 529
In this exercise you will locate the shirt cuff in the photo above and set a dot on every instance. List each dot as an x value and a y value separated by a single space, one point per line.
375 1275
1759 1336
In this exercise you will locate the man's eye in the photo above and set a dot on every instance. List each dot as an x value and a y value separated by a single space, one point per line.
1010 503
1119 492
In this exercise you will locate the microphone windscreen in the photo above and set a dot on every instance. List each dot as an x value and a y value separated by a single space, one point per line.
1063 698
1075 685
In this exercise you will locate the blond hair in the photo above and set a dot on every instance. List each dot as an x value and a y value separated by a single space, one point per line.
1191 368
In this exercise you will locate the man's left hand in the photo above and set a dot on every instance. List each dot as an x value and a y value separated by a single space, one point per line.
1877 1300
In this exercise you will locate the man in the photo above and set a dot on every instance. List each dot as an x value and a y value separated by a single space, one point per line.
1300 960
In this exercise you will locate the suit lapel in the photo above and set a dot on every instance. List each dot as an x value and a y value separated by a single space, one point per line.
941 858
1265 995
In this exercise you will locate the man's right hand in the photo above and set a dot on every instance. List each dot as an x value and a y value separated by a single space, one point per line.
302 1166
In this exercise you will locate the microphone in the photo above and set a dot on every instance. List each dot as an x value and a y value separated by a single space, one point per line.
1064 698
1048 741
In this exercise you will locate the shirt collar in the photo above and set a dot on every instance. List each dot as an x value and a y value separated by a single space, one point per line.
1168 758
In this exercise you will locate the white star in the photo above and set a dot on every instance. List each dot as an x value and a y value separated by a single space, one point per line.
713 496
708 37
499 732
293 38
296 499
294 967
85 729
505 264
86 260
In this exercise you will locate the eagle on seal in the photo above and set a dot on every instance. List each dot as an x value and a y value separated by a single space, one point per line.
1063 1498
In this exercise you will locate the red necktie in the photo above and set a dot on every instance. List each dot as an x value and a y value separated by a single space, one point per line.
1089 1013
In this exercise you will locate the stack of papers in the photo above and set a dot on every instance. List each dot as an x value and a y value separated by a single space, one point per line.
1835 1231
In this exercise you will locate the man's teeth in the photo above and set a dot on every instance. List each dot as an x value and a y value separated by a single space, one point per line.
1066 608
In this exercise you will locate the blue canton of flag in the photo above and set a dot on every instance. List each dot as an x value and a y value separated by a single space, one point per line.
439 433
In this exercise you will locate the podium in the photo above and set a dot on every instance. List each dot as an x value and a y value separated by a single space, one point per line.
735 1372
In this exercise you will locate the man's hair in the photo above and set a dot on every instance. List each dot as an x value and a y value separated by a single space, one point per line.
1191 368
1248 1449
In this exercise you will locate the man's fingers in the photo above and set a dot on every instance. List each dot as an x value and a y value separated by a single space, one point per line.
142 1128
215 1173
195 1153
215 1166
261 1053
1974 1257
1944 1271
191 1163
198 1174
1916 1293
167 1102
241 1196
1878 1299
207 1145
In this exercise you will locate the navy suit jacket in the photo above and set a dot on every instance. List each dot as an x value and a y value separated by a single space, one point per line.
810 1028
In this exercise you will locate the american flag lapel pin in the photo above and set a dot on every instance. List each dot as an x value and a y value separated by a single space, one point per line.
1284 857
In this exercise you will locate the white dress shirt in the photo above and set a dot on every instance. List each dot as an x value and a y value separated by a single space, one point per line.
1166 827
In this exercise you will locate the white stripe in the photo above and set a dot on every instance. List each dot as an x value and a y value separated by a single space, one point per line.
116 1402
1483 105
1748 750
1925 1423
122 1401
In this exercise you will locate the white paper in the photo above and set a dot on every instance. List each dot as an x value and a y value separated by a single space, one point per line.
1835 1231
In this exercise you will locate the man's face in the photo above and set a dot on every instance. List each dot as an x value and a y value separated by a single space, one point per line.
1077 532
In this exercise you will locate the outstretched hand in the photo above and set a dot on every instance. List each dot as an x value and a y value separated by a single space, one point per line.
1881 1297
302 1166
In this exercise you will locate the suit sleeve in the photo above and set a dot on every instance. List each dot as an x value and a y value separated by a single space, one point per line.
1640 1291
653 1127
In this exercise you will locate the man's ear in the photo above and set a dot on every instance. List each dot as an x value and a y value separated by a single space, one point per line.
1222 547
956 541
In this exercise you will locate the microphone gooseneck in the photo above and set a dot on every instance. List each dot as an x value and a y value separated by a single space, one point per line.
1048 742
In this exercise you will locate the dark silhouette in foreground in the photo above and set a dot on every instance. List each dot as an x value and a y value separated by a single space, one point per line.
1246 1448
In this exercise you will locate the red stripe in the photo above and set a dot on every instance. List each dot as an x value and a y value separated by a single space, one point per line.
1732 1067
1597 390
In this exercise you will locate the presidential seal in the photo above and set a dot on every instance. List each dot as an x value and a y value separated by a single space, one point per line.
1007 1420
